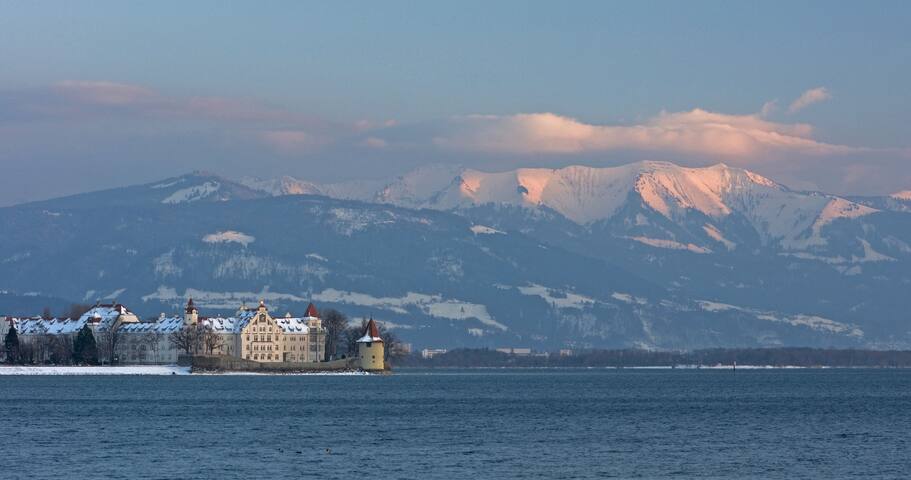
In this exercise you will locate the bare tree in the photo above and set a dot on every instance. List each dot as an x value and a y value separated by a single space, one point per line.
109 342
335 323
210 340
41 348
151 342
393 346
61 350
352 333
186 339
26 353
46 313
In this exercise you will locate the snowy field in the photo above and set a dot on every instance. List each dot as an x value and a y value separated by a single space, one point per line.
74 370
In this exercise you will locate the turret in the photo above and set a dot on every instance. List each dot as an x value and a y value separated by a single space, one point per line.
370 349
313 318
192 314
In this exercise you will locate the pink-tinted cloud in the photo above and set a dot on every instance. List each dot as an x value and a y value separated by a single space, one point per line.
143 101
811 96
374 142
291 141
694 132
106 93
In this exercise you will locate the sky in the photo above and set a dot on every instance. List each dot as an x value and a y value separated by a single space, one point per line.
816 95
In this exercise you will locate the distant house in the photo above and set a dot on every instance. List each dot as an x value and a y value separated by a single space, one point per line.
432 352
520 352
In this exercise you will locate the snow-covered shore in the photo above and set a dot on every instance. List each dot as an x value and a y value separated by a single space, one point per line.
142 370
76 370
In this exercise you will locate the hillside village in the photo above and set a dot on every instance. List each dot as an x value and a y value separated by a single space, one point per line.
250 339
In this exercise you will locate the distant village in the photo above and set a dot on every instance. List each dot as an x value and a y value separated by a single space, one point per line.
252 339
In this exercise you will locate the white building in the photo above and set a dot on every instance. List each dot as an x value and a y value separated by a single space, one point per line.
44 338
432 352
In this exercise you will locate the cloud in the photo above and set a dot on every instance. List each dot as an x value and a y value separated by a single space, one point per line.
814 95
693 132
291 141
374 142
93 99
120 133
106 93
768 108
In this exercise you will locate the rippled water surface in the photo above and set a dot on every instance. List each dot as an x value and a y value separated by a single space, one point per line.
450 424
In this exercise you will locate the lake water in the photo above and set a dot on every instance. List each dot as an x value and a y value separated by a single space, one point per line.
462 424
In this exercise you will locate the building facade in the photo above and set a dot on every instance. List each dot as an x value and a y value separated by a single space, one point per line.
252 334
47 339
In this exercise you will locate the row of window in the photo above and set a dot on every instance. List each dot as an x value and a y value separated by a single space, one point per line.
264 356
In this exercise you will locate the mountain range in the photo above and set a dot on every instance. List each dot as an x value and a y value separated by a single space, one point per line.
650 255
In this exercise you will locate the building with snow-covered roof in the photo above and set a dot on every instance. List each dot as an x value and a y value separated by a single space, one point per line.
149 342
251 334
259 336
50 339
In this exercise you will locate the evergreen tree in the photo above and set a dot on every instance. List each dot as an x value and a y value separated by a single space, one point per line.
84 349
11 344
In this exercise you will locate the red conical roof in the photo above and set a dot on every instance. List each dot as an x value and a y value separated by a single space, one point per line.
372 330
311 311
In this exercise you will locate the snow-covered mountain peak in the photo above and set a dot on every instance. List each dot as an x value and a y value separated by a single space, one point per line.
902 195
586 195
417 186
285 185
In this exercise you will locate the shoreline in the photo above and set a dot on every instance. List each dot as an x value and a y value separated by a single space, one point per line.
140 370
168 370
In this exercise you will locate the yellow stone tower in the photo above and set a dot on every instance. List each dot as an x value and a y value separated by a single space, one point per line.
370 350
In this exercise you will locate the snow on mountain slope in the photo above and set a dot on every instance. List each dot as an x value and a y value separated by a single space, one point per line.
192 194
586 195
281 186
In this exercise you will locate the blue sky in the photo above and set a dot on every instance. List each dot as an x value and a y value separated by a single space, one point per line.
125 92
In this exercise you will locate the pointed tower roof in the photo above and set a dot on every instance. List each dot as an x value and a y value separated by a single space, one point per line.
190 306
371 333
311 311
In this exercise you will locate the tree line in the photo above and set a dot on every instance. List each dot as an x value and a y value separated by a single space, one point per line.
785 356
